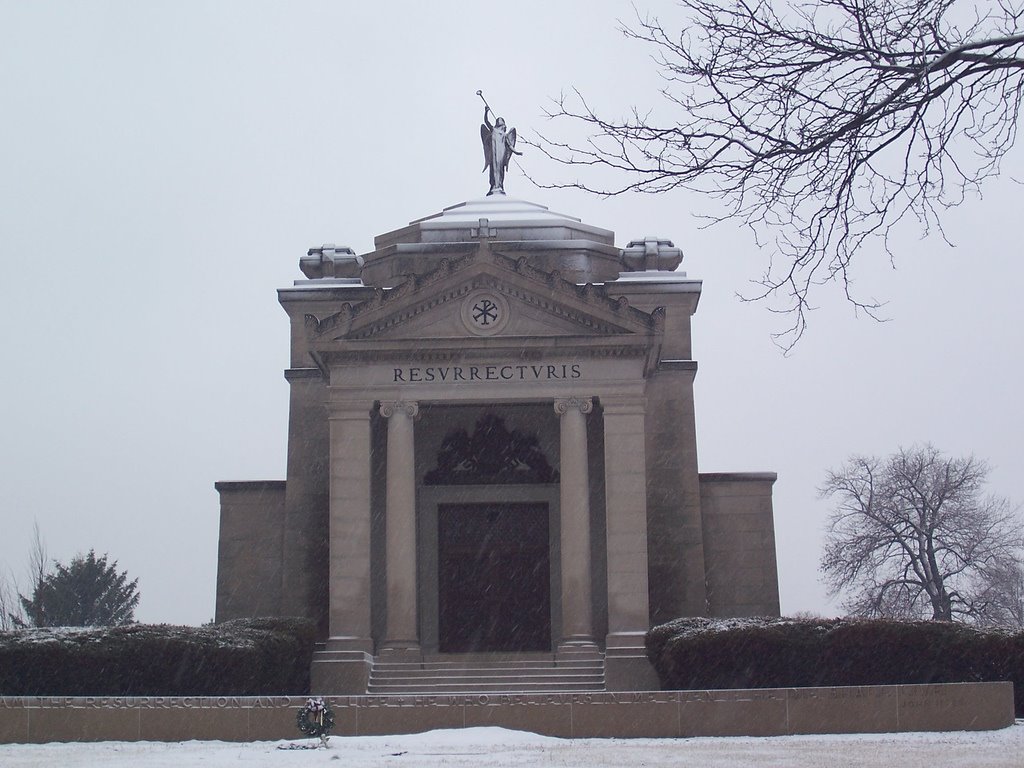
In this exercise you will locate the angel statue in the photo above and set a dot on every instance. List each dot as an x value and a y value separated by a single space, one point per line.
499 146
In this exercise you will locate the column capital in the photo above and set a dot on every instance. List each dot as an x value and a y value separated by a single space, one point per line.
565 404
389 408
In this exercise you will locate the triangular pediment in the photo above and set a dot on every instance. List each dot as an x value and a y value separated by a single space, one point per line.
484 296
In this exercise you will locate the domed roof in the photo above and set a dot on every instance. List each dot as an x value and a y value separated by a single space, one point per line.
551 241
512 218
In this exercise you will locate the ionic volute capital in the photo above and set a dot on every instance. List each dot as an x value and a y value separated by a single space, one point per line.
389 408
564 404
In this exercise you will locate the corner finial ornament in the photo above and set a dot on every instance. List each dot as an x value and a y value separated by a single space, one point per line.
499 146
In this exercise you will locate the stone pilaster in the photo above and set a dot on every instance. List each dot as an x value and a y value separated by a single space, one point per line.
402 633
574 489
344 665
625 463
349 617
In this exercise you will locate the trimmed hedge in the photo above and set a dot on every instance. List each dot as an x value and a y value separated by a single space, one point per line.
701 653
244 657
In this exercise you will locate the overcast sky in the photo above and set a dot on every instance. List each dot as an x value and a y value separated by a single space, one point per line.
163 166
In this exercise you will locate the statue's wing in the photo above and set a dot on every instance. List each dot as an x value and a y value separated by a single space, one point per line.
510 142
485 137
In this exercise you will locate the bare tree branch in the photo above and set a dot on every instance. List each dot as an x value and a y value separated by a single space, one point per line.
38 561
11 614
819 124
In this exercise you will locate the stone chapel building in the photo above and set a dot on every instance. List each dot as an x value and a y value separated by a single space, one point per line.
492 478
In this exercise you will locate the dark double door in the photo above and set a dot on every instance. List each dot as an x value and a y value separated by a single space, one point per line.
494 590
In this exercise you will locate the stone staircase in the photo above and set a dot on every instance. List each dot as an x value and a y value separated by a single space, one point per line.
487 673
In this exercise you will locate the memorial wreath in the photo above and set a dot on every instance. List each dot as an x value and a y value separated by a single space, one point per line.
315 719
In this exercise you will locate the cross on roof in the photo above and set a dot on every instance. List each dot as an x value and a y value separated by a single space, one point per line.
483 230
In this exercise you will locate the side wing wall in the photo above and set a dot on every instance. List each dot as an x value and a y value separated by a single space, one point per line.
249 564
741 570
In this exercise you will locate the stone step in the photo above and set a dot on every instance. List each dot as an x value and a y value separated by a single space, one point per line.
457 673
388 668
473 674
510 680
468 674
591 658
503 687
459 658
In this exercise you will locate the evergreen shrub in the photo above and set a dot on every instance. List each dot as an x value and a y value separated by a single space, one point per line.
706 654
243 657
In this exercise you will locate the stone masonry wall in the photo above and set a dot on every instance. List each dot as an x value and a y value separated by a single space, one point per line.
249 554
739 544
646 714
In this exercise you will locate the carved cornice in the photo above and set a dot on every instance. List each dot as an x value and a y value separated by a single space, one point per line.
449 354
343 319
302 374
549 286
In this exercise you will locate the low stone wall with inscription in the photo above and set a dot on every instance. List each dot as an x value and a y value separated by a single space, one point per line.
666 714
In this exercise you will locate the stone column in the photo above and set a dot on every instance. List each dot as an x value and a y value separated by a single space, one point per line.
574 488
401 635
625 470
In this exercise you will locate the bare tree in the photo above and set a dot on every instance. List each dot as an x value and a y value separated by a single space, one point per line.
12 614
38 561
913 536
820 124
1004 596
10 608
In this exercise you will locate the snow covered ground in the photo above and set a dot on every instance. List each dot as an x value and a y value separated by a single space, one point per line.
501 748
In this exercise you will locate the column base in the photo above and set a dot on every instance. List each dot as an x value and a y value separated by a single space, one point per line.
577 649
626 667
343 667
404 651
338 643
